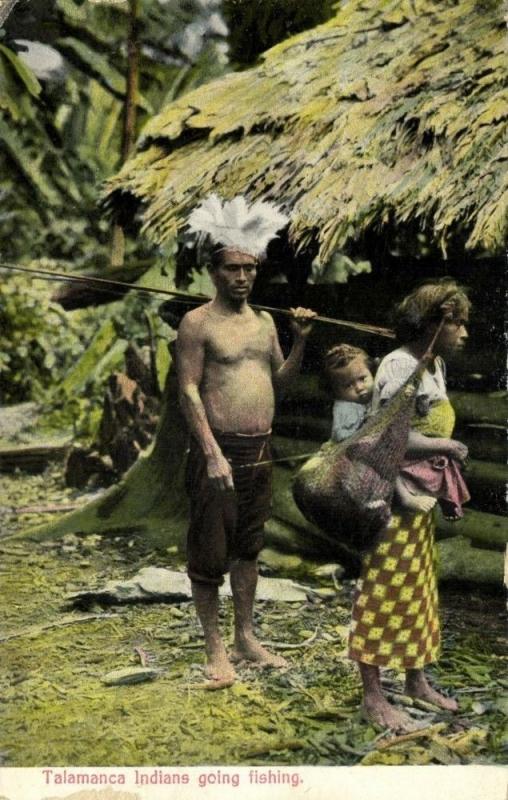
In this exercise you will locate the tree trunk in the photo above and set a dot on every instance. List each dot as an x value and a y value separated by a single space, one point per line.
308 394
460 561
486 441
487 530
480 407
487 483
129 120
299 426
150 501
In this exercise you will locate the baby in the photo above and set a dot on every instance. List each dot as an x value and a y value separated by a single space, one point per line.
421 481
349 373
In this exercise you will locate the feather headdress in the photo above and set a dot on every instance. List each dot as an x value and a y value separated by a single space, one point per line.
233 223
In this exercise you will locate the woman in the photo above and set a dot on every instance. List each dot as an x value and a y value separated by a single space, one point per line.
395 616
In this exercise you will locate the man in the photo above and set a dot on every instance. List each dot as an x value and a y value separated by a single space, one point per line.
229 364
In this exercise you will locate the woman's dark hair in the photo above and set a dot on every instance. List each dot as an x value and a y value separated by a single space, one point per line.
424 306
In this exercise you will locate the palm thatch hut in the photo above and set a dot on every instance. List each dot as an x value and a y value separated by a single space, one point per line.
390 114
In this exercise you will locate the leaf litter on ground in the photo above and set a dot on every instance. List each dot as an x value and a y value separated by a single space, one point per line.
307 714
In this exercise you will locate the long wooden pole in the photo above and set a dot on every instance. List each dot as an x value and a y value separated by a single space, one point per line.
6 6
179 296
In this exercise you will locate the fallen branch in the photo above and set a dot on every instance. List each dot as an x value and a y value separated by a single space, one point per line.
143 656
51 509
291 744
409 737
407 700
32 456
38 629
210 686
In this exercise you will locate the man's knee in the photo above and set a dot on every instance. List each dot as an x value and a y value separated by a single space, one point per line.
200 578
249 546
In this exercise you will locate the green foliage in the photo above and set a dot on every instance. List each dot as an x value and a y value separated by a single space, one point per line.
38 341
62 137
20 69
338 269
76 399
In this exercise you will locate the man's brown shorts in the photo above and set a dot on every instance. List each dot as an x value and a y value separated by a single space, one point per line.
227 524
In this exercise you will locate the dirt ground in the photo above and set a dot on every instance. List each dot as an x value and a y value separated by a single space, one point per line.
57 710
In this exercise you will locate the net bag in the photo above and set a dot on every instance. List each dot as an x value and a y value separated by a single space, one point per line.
346 488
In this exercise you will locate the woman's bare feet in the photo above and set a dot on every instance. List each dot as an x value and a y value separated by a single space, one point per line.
379 711
418 686
249 649
375 706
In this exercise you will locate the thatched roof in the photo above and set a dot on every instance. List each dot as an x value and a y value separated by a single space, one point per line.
391 112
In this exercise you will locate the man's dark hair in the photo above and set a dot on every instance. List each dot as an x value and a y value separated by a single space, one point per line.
217 255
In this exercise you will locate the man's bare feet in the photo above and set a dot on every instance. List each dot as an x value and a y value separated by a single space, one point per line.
418 686
219 667
379 711
249 649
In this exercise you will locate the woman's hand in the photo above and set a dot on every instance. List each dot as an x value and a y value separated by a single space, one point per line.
454 449
421 446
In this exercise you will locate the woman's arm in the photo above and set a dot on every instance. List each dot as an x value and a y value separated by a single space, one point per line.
420 445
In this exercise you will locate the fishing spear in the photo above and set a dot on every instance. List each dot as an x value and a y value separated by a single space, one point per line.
117 287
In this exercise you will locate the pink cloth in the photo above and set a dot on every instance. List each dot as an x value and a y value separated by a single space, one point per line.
438 477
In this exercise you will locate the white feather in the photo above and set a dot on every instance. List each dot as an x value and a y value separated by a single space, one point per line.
233 223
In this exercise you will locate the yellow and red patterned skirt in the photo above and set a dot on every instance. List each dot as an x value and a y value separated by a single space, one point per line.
395 621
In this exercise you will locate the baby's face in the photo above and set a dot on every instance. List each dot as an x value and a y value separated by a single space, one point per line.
354 383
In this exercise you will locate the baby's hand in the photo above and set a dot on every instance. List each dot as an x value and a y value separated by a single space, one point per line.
456 450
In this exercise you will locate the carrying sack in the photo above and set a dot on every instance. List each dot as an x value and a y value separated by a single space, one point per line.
346 488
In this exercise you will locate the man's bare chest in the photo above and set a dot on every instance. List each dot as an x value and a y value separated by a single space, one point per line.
231 343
